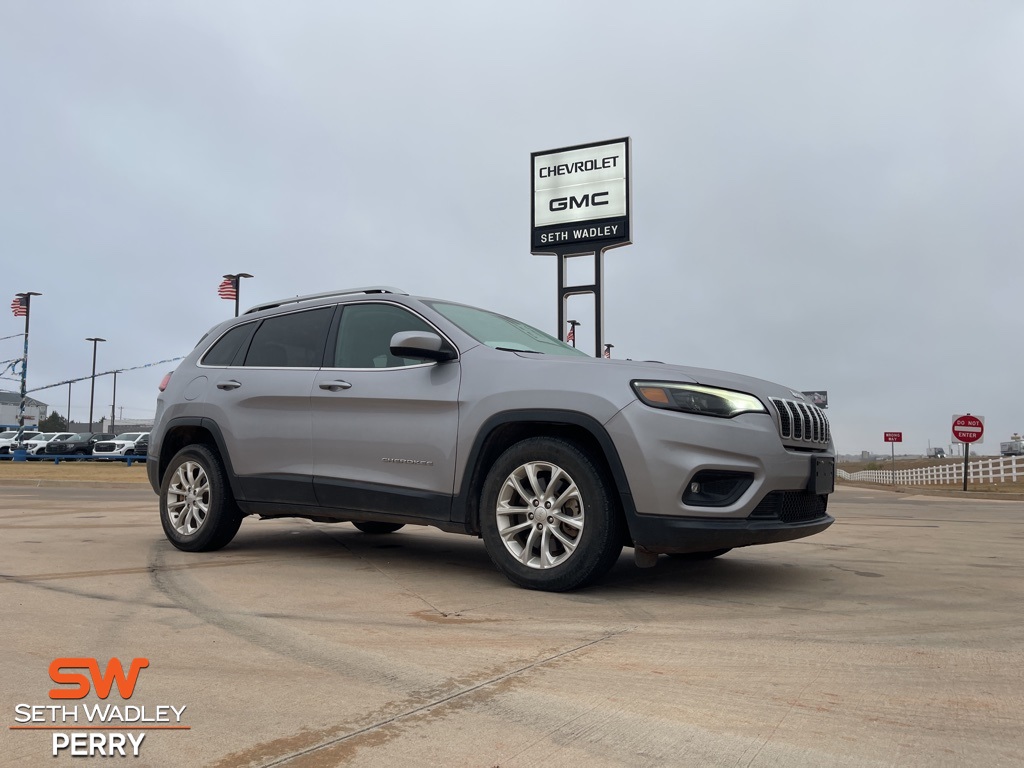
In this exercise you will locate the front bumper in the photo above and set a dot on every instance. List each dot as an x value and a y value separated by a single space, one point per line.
663 535
663 451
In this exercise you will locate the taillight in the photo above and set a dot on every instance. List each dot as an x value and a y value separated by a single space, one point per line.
165 381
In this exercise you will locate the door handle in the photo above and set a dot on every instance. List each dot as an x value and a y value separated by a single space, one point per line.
229 384
335 386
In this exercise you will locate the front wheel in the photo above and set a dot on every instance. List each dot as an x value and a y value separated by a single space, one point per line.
548 517
197 510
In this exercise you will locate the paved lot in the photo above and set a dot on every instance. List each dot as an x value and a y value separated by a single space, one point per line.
894 638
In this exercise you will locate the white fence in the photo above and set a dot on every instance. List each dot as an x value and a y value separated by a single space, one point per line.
995 469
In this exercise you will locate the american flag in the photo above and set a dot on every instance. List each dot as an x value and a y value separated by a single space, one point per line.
571 335
228 289
19 306
608 351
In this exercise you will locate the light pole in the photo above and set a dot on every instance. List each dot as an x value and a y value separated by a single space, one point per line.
114 398
22 304
236 282
67 427
92 387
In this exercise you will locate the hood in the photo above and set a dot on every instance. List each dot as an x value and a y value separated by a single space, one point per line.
655 371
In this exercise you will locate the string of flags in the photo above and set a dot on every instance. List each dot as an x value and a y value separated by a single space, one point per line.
10 365
107 373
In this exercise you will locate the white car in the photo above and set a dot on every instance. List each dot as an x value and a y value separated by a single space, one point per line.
122 445
11 439
38 443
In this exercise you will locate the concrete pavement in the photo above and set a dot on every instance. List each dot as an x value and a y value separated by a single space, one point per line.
894 638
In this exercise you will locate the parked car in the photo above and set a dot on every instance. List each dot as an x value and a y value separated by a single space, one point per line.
6 437
38 443
122 445
383 409
11 440
80 444
142 445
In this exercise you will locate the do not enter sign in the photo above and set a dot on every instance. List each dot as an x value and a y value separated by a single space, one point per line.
968 429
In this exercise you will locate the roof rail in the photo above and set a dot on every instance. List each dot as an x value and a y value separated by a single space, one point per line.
326 295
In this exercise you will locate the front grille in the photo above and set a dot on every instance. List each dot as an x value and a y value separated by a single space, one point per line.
104 447
802 421
790 507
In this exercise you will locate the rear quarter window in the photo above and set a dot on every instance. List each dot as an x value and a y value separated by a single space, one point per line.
228 347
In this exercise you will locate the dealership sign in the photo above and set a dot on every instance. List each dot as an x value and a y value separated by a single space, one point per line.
580 198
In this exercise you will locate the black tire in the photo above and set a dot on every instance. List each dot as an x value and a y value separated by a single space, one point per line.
709 555
561 531
372 526
197 510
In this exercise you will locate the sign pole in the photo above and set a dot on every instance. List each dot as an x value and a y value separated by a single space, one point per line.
967 454
893 446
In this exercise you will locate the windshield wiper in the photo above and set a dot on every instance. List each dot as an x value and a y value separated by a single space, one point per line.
510 349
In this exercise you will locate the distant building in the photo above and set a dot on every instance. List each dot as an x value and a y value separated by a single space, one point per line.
10 404
123 425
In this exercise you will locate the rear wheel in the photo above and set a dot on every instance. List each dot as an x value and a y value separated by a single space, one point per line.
372 526
549 519
197 510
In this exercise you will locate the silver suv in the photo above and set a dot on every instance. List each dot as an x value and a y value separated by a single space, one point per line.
383 409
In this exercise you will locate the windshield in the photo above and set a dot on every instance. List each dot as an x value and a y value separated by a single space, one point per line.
45 436
79 436
502 332
129 436
7 435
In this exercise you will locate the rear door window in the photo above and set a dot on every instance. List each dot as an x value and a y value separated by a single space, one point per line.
295 340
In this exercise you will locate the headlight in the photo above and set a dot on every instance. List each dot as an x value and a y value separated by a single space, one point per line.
694 398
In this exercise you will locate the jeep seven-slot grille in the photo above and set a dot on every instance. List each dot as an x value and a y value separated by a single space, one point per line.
802 421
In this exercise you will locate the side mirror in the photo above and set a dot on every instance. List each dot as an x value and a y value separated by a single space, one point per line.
421 345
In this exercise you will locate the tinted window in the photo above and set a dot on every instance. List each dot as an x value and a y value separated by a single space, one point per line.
364 336
296 340
227 346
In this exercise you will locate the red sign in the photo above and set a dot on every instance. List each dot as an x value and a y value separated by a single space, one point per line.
968 429
894 437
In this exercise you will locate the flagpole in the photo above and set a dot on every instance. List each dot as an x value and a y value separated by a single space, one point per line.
236 281
27 296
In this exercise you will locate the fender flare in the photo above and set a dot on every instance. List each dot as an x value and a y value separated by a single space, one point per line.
464 508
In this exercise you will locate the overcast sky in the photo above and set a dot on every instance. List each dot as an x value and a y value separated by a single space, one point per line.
827 195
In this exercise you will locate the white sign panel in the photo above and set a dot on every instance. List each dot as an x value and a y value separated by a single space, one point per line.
581 197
